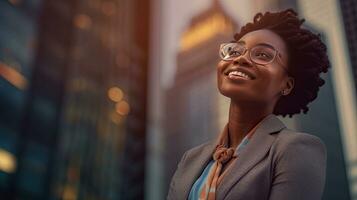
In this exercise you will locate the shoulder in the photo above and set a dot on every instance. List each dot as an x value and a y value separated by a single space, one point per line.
288 137
299 146
299 166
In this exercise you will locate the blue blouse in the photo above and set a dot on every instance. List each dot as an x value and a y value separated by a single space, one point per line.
197 186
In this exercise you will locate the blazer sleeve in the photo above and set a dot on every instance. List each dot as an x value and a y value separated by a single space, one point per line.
299 170
172 190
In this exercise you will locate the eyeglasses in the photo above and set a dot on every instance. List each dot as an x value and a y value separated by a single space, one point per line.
261 54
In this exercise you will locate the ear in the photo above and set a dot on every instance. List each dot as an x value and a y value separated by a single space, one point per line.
289 85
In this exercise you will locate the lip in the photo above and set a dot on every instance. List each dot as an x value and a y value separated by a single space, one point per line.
237 78
240 69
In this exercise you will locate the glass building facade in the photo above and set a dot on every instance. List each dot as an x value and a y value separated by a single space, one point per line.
73 99
18 47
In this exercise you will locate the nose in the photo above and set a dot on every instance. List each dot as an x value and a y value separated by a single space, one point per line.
242 60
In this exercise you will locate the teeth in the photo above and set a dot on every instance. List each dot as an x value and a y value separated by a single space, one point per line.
237 73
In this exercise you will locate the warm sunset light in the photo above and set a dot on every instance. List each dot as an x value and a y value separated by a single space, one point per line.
204 30
82 21
122 108
7 161
115 94
12 76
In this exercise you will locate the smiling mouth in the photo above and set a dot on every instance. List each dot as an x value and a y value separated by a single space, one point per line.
238 75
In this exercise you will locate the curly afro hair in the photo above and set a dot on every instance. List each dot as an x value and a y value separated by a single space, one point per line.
307 58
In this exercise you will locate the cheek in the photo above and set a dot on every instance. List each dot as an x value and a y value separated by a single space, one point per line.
269 85
221 66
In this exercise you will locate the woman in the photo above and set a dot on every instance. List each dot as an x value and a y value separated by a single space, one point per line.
272 68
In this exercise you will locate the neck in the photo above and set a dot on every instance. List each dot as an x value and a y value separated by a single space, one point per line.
242 118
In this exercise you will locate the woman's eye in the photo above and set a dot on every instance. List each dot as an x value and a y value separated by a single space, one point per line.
263 55
234 53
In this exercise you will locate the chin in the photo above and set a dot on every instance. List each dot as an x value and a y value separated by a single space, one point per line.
235 94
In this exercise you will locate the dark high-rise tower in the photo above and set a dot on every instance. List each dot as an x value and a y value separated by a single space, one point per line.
349 15
82 128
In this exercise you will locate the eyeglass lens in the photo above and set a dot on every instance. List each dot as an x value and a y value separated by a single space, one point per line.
260 54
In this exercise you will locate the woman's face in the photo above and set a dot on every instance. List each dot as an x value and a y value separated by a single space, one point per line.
267 80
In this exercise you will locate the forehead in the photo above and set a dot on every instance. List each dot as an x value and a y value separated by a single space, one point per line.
265 36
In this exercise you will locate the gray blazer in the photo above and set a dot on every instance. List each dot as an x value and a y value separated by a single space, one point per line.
277 164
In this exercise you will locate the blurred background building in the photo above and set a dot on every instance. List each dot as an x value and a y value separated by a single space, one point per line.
99 99
191 111
73 99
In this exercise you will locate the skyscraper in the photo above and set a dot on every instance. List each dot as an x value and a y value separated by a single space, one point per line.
193 106
82 133
349 16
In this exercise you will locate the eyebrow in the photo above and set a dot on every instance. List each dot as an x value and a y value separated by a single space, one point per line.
241 42
262 43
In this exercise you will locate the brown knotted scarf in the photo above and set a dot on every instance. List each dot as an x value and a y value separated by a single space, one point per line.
221 156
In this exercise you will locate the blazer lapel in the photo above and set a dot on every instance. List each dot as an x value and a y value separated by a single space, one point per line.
197 165
255 150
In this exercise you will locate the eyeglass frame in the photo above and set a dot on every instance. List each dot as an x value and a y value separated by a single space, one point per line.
250 58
